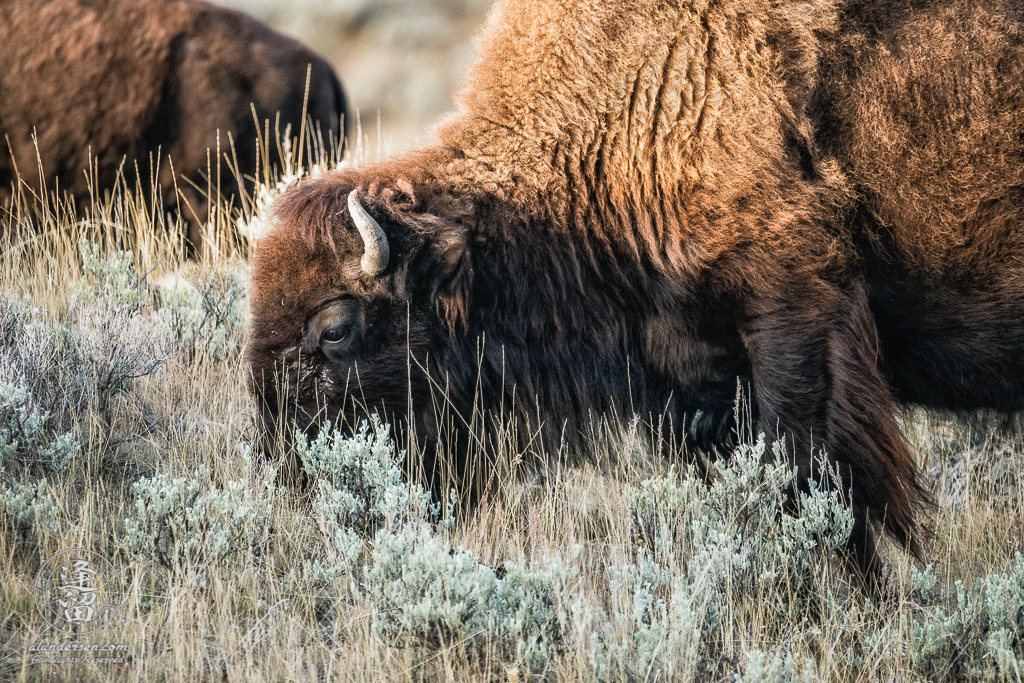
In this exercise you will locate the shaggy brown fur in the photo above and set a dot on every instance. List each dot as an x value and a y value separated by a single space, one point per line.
641 202
126 81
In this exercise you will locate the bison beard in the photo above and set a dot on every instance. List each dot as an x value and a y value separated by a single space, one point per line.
640 204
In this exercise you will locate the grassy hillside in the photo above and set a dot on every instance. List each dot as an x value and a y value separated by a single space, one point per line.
125 429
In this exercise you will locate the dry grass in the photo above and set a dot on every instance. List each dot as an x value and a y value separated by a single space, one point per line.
250 616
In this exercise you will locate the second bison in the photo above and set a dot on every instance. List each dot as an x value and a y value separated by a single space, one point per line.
115 83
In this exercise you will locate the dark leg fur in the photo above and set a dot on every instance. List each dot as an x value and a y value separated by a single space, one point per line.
712 432
818 387
862 554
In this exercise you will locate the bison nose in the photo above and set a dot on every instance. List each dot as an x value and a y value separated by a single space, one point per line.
274 446
268 446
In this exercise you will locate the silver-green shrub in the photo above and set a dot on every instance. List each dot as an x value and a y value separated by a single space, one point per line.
359 478
426 592
107 350
31 352
360 488
655 626
112 281
186 523
81 365
423 590
110 342
15 316
206 314
30 508
705 548
778 668
979 635
341 553
26 436
532 618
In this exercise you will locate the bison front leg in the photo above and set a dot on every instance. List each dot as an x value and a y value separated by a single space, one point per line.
814 357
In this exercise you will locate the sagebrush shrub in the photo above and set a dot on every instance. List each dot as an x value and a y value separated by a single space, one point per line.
186 523
532 618
360 488
654 626
778 668
423 589
82 364
30 508
26 436
110 281
426 592
107 350
31 353
979 635
15 316
705 548
206 315
360 484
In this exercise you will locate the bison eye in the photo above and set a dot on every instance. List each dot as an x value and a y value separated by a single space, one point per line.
336 334
334 330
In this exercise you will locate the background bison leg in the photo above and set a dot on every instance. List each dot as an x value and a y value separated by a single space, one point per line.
817 385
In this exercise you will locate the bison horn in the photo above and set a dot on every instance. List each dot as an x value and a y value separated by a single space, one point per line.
377 252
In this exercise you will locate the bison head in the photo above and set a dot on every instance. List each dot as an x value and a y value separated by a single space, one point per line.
353 301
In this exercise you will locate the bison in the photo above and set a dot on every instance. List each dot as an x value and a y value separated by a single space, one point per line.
640 204
109 84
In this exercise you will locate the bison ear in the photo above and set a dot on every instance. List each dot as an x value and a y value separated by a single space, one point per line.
443 275
438 259
451 291
448 250
442 261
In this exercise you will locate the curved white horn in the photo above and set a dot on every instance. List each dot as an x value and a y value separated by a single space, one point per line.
377 252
